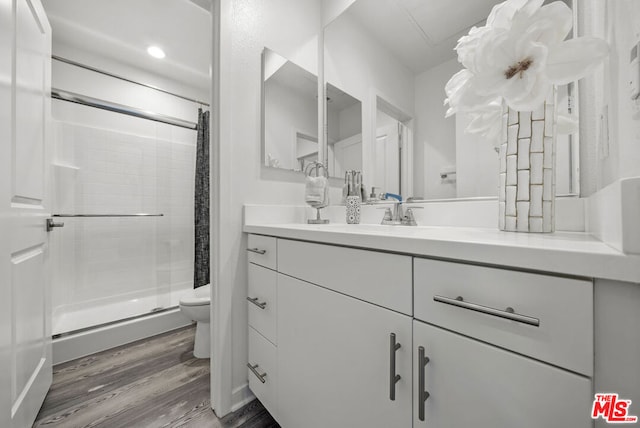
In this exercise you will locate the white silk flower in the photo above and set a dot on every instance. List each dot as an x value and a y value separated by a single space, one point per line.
517 57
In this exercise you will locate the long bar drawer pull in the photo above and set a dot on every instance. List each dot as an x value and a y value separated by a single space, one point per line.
393 377
256 250
422 394
261 377
255 301
508 313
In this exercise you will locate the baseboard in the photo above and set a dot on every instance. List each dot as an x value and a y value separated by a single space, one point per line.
67 348
241 396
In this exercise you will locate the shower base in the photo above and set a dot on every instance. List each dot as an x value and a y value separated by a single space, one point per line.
90 329
70 320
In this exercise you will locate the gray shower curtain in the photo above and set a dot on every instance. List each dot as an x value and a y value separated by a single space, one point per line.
201 213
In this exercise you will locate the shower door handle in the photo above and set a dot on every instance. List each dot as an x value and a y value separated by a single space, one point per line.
51 224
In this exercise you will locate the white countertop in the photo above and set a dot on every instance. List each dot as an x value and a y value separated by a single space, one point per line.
569 253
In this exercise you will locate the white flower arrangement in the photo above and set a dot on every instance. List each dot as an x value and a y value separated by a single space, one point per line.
516 58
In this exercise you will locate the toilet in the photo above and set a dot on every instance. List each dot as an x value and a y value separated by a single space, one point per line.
195 305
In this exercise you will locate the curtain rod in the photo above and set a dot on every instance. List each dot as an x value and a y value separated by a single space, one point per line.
119 108
106 73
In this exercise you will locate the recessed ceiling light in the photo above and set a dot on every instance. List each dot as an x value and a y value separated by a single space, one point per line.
155 52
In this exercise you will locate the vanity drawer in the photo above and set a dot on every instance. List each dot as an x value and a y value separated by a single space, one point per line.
262 370
380 278
262 250
262 301
545 317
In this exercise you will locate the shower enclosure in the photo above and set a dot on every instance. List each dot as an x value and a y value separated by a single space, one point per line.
124 189
123 173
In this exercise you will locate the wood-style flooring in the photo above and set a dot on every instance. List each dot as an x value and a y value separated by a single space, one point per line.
152 383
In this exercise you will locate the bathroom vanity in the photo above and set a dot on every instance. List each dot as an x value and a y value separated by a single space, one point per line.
383 326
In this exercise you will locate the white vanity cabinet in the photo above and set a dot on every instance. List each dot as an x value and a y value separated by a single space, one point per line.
344 356
356 338
337 361
262 308
474 384
494 345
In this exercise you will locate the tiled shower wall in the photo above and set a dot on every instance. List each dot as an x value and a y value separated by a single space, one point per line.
102 171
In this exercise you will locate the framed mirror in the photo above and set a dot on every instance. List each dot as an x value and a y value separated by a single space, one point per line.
397 56
290 113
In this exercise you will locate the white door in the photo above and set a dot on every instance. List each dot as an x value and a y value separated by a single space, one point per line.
334 360
25 313
348 155
386 158
473 384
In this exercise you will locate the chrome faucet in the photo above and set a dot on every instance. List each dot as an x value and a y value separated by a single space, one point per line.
394 217
398 216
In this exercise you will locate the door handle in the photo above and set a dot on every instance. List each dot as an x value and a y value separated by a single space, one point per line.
422 394
260 376
256 302
393 377
256 250
508 313
51 224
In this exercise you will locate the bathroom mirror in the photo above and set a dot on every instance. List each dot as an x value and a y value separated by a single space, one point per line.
344 130
396 56
290 109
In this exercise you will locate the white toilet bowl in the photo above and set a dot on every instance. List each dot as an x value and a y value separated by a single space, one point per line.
196 305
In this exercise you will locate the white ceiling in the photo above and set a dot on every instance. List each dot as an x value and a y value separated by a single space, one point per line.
123 29
420 34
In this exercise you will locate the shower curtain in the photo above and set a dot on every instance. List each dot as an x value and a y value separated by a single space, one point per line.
201 213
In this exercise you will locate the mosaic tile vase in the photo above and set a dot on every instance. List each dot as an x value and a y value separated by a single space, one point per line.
527 169
353 209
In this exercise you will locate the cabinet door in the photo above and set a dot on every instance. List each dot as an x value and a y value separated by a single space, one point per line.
334 360
472 384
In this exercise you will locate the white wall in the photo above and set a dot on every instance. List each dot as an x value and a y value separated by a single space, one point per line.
343 124
618 21
434 136
246 27
357 64
476 163
350 121
287 112
623 31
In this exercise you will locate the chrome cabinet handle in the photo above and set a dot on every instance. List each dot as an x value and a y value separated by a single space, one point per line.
508 313
256 250
255 301
51 224
261 377
393 377
422 394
